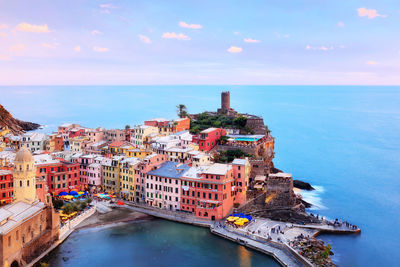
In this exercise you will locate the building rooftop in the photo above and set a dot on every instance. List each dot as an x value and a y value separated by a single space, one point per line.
280 174
209 130
15 213
170 169
44 159
5 172
218 169
158 120
239 161
118 144
195 172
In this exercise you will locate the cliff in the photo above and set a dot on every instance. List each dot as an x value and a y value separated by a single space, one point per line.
16 126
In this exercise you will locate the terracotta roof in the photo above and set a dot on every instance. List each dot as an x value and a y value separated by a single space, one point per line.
117 143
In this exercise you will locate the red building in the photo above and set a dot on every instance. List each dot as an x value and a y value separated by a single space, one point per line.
75 132
208 191
208 138
6 187
60 176
159 122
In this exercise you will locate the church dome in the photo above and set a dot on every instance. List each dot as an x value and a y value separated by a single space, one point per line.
23 155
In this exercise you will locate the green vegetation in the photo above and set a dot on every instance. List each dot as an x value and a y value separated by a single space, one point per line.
327 251
76 206
181 110
205 121
230 155
57 203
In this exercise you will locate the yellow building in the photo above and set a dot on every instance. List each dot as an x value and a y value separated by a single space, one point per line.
78 144
127 178
24 177
111 172
140 132
137 153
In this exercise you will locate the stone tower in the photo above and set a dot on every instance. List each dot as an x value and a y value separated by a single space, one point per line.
24 176
225 102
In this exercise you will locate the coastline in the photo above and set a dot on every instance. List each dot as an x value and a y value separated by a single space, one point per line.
117 215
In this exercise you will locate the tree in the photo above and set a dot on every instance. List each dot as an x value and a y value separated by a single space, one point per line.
58 203
267 129
68 208
88 200
127 127
181 111
240 121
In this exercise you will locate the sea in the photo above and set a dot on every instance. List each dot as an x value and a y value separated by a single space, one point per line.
343 140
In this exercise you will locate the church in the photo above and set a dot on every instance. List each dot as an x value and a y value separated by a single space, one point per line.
27 226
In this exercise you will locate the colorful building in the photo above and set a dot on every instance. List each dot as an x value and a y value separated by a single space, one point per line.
140 132
241 173
208 191
163 185
6 186
110 174
149 163
208 138
127 177
60 175
94 173
54 143
114 135
181 124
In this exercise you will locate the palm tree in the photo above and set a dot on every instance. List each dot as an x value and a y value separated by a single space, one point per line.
181 110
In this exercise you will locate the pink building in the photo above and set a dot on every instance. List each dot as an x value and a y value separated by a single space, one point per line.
163 185
94 172
149 163
84 162
95 135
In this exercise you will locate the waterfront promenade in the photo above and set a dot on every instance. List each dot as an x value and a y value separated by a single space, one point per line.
264 235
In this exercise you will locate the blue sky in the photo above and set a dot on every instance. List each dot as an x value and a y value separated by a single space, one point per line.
131 42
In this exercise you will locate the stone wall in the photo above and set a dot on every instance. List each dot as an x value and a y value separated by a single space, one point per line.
279 191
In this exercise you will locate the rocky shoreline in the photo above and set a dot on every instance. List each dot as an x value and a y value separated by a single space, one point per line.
16 126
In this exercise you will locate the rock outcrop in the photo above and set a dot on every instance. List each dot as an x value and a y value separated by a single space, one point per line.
16 126
302 185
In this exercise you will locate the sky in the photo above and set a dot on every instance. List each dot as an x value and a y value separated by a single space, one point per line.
267 42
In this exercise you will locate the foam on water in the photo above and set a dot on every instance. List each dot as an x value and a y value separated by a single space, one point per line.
314 197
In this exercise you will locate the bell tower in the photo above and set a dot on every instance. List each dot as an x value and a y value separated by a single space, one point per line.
24 176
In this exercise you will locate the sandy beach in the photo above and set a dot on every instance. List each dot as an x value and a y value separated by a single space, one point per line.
117 215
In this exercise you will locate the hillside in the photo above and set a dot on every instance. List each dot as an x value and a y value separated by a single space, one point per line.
16 126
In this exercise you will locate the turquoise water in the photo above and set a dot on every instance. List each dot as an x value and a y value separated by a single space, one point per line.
343 140
153 243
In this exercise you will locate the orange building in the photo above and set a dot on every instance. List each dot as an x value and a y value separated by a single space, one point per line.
182 124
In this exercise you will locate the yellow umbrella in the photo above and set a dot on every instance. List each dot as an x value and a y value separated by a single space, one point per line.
81 192
230 219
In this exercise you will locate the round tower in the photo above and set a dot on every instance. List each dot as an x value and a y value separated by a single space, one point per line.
24 176
225 101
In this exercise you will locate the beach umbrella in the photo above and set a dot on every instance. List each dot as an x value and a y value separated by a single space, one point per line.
81 192
120 203
73 193
63 193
